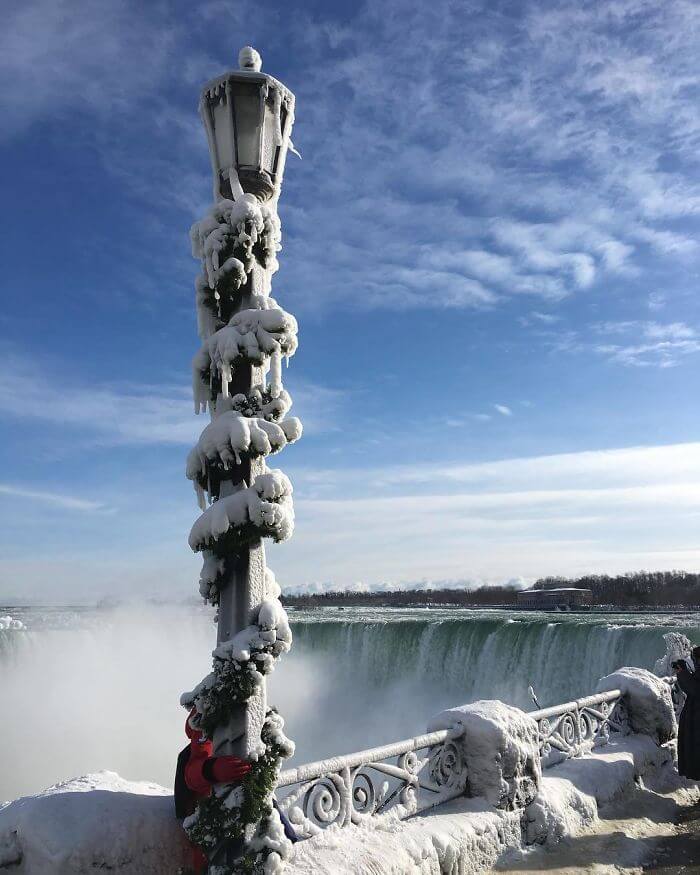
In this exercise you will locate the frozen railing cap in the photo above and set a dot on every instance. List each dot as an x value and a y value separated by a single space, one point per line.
249 59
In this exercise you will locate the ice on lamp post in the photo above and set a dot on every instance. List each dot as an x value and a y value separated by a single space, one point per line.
248 117
237 377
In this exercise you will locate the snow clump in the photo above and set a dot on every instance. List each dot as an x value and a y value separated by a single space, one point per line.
501 751
264 509
647 699
229 436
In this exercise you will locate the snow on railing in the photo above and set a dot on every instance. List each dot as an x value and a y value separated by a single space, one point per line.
344 790
570 729
430 769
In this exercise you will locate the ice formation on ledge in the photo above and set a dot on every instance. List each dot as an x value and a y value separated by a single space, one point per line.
8 622
264 509
99 822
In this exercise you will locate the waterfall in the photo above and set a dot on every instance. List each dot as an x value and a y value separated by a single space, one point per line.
104 684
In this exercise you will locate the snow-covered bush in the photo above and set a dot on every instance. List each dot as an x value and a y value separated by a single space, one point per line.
500 747
647 699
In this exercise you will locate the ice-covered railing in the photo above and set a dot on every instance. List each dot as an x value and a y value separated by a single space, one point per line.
418 773
405 777
569 729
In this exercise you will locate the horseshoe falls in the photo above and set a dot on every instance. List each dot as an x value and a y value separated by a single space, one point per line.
105 684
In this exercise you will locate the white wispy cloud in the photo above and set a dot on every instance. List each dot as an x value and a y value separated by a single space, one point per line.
56 499
503 409
609 510
591 133
125 414
630 342
653 343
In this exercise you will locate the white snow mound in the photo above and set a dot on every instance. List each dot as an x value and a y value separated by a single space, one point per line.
500 746
648 701
93 823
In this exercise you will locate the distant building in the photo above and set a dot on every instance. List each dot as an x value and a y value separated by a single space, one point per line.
563 599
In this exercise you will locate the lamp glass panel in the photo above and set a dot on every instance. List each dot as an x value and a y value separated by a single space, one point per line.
246 102
270 139
223 134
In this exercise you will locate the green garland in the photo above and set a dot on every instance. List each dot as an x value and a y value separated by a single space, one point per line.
229 283
213 819
233 683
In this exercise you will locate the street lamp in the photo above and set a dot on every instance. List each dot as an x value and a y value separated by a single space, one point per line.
237 376
248 117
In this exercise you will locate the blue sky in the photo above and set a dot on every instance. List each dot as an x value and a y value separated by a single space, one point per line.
490 244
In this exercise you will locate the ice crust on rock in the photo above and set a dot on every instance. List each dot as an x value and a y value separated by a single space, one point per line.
500 747
9 623
648 701
265 508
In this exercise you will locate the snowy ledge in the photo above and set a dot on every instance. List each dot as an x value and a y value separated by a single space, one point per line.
468 835
102 822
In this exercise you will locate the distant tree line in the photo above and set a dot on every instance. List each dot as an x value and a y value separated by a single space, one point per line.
638 589
484 595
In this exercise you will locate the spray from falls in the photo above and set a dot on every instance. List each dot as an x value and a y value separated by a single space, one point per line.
104 683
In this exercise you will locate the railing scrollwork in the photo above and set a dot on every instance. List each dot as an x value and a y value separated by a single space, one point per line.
426 771
575 727
419 773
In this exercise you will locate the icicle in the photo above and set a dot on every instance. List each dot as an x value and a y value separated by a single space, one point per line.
276 374
201 498
225 378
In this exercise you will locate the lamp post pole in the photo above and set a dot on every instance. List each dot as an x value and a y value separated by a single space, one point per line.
248 117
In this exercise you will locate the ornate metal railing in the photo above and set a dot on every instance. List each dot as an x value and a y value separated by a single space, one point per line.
426 771
573 728
418 773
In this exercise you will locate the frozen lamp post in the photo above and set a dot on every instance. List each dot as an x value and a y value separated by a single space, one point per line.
237 377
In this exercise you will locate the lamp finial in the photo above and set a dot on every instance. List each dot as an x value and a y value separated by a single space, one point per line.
249 59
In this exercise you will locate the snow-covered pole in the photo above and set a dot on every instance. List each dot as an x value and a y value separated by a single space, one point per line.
248 117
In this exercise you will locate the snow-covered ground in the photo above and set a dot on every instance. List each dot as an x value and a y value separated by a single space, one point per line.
93 823
606 809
